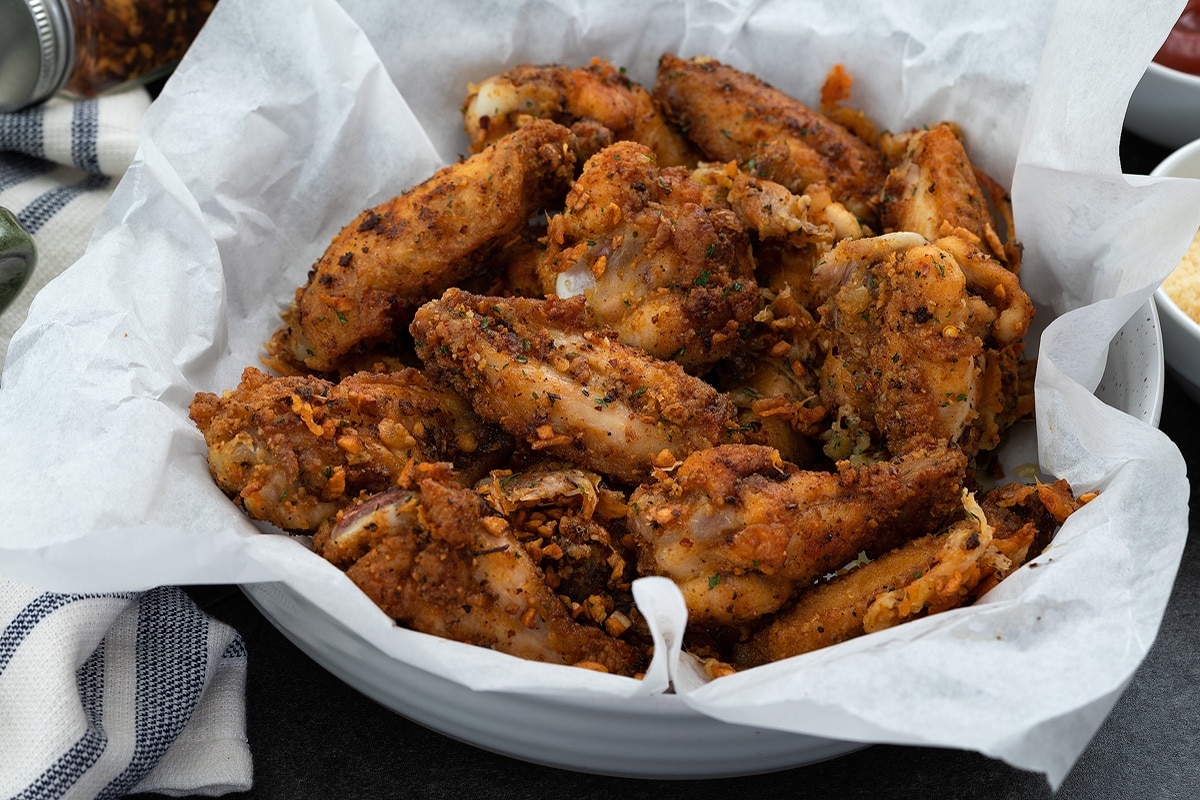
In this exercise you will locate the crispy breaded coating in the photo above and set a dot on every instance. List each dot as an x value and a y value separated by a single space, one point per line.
395 256
536 369
773 212
920 346
668 272
448 566
576 97
734 116
778 403
934 573
573 526
293 450
740 530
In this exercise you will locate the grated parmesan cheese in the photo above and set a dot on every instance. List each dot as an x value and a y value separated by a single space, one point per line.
1183 284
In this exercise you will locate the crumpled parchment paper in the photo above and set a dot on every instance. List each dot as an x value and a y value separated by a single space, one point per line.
288 117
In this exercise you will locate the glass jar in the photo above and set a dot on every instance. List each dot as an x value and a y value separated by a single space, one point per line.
86 47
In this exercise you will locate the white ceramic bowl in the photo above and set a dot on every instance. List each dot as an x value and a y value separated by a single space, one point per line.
1180 333
1165 107
645 737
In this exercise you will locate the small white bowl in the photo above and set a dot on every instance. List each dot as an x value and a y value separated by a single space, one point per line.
1165 107
1180 333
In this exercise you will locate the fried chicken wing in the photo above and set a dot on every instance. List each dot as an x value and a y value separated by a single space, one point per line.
668 272
932 189
598 93
740 530
791 233
917 350
778 403
573 526
539 371
734 116
445 564
936 572
395 256
292 451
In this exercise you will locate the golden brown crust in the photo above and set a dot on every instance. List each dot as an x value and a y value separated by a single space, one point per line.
453 569
740 530
734 116
922 342
536 368
582 336
933 573
668 272
579 98
293 450
932 189
395 256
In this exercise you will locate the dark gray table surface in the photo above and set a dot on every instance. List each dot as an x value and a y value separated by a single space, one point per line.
312 736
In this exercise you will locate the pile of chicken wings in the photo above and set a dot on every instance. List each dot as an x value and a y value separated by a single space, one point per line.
701 331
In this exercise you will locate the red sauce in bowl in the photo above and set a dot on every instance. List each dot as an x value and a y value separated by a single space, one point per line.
1181 50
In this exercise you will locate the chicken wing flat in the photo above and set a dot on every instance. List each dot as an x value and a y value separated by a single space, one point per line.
668 272
598 93
739 530
929 575
734 116
292 451
446 565
932 189
394 257
913 354
934 573
538 370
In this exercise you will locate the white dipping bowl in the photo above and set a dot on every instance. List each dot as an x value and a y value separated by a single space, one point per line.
1165 107
1180 333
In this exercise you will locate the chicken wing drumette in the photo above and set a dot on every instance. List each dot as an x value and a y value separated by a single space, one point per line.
292 451
537 368
740 530
577 97
440 561
734 116
667 271
391 258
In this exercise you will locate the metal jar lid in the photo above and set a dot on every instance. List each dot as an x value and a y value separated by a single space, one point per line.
36 49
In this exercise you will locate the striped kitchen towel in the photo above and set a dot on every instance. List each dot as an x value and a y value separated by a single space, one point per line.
103 695
59 164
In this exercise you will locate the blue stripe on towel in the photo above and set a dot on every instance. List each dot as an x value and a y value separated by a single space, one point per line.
23 132
172 664
85 129
60 776
45 206
34 612
16 168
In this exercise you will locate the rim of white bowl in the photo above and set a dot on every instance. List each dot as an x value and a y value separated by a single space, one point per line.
1175 74
1182 154
1167 305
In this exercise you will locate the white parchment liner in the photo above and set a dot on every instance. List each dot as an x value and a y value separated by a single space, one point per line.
286 119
